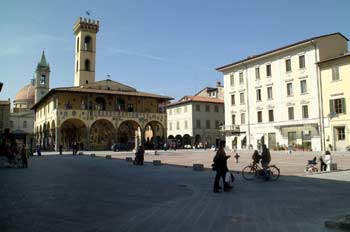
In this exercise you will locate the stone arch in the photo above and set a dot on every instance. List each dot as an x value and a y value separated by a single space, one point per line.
129 134
154 134
87 65
179 142
102 135
187 140
171 137
88 43
72 131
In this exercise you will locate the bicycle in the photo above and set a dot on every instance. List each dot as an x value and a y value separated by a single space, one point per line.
254 170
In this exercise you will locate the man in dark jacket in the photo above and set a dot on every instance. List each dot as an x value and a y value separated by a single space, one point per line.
265 160
220 166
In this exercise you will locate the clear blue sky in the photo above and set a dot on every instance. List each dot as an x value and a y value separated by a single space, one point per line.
159 46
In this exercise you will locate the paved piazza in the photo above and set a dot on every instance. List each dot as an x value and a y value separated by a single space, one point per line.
83 193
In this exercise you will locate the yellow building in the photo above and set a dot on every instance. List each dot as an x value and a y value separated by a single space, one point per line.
97 114
335 81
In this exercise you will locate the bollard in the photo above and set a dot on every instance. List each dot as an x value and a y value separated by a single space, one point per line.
198 167
108 157
128 159
92 154
157 162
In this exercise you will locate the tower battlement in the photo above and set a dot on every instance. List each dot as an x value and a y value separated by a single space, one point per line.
86 24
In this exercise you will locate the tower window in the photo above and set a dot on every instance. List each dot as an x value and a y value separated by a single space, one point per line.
87 43
42 79
77 67
78 44
87 65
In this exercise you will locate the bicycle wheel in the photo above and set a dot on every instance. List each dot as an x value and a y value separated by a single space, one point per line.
249 172
274 172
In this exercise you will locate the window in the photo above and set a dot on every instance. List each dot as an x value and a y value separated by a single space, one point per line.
289 89
269 93
292 137
233 119
271 118
42 79
87 43
241 98
186 124
242 118
216 108
303 87
337 106
177 125
301 61
207 124
259 114
288 65
241 81
77 66
217 124
198 108
207 108
170 126
335 73
268 70
340 133
258 94
291 113
198 124
232 80
305 111
233 102
257 73
87 65
78 44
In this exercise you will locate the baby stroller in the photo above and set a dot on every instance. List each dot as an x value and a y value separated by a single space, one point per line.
311 166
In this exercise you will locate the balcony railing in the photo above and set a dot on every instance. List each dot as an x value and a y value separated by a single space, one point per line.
230 128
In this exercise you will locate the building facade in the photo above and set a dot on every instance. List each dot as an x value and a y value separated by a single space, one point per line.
274 98
335 80
4 115
195 120
97 114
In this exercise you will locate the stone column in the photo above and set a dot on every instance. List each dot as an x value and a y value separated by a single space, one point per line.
57 138
85 137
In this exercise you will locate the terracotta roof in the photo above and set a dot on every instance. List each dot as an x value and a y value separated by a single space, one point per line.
26 93
187 99
281 48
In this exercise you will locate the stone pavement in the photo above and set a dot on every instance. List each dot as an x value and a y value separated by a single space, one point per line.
289 164
82 193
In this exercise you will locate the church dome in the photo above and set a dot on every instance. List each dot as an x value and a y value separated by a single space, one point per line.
26 93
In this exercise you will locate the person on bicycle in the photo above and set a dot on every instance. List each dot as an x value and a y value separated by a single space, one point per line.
265 160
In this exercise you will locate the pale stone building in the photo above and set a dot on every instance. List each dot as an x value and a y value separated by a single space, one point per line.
195 120
335 81
274 97
96 114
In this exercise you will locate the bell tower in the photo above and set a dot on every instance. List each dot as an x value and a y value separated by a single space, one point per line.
85 31
42 78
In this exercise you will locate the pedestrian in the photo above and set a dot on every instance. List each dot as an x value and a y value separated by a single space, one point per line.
290 148
323 164
38 150
237 157
141 154
220 166
75 148
60 149
24 157
328 161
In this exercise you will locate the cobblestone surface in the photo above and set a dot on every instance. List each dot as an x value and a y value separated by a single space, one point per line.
82 193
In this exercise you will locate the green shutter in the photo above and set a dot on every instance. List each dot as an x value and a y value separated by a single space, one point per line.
331 107
343 105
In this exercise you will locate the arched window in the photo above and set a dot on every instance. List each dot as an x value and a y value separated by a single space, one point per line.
78 44
77 67
42 79
87 43
100 103
87 65
24 124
